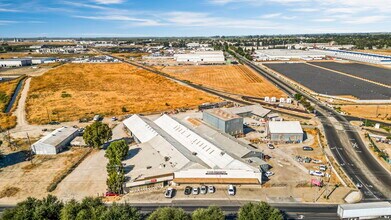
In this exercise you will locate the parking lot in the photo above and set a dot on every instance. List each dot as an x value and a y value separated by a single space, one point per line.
330 83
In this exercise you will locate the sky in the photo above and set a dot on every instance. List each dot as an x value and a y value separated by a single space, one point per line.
181 18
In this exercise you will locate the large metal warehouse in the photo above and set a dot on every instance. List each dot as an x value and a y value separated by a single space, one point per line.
201 57
358 56
15 62
176 150
285 131
55 142
224 121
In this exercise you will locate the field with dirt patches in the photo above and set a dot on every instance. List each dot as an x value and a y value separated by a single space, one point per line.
376 112
237 79
6 91
73 91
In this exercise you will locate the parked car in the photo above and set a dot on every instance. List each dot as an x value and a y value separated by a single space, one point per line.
270 146
306 148
359 185
111 194
211 189
114 118
269 173
187 190
203 189
231 190
97 118
322 167
196 190
169 193
316 173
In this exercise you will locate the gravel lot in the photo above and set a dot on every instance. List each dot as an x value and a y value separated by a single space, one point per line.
376 74
330 83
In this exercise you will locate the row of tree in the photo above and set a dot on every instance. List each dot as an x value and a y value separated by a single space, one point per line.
115 153
94 209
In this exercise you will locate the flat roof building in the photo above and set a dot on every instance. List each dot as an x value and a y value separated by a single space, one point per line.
248 111
55 142
285 54
224 121
15 62
210 57
285 131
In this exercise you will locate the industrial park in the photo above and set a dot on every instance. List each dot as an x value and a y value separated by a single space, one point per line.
198 126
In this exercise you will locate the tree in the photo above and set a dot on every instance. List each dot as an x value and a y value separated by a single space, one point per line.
114 181
97 134
120 212
117 150
255 211
168 213
89 208
211 213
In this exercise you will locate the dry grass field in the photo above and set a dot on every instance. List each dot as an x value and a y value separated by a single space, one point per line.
376 112
380 51
129 55
73 91
6 90
236 79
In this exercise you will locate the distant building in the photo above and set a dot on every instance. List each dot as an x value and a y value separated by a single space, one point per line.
284 54
285 131
224 121
41 60
256 111
15 62
358 56
201 57
55 142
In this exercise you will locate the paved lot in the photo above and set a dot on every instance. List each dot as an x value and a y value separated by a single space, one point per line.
376 74
330 83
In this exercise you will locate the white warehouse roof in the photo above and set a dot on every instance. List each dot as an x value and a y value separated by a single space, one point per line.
140 128
285 127
57 136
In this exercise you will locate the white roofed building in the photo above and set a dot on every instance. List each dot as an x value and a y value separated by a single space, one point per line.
211 57
55 142
285 131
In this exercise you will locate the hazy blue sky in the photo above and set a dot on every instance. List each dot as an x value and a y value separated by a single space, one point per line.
129 18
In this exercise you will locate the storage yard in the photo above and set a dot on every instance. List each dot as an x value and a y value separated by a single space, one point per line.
75 91
330 83
237 79
376 74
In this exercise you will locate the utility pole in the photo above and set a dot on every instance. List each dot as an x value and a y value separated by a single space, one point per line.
31 149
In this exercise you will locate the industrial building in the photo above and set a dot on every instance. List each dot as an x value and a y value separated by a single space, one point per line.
224 121
284 54
254 111
15 62
41 60
55 142
285 131
188 151
369 210
210 57
358 56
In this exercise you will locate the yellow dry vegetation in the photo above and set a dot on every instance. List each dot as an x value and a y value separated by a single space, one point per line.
379 51
73 91
376 112
237 79
6 90
129 55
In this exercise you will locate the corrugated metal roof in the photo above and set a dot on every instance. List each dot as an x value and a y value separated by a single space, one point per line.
140 128
57 136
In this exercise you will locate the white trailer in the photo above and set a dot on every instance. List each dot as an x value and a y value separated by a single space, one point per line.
370 210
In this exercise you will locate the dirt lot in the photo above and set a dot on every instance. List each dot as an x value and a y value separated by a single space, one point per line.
236 79
376 112
73 91
32 178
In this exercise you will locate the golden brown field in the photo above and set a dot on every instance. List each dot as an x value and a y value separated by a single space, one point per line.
6 90
380 51
236 79
378 112
73 91
129 55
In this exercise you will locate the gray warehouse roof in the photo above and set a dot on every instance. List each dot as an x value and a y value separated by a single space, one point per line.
57 136
253 109
223 115
285 127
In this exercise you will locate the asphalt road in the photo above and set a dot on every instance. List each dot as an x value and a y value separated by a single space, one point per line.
346 145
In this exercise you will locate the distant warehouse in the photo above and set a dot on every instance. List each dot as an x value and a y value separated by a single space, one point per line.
224 121
55 142
210 57
15 62
285 131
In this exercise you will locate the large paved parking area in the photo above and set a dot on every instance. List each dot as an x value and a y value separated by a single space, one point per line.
376 74
331 83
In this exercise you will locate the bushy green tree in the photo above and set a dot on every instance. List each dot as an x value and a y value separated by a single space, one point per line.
97 134
169 213
88 208
34 209
261 210
120 212
117 150
210 213
114 182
